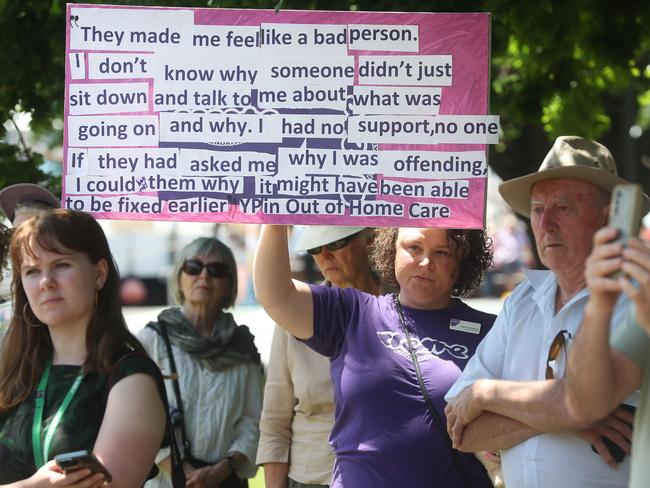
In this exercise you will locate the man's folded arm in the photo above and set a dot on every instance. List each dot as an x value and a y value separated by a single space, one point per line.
494 432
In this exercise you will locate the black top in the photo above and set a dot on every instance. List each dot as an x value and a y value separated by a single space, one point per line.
80 425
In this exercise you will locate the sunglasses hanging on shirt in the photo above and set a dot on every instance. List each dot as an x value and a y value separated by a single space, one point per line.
559 343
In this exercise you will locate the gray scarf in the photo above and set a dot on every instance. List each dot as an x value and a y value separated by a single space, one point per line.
228 345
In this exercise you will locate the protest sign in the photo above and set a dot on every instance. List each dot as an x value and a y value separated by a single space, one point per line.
301 117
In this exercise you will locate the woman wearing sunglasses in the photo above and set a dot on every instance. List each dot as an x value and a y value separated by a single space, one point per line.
214 378
298 411
392 357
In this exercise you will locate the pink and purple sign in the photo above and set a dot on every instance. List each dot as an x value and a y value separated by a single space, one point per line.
296 117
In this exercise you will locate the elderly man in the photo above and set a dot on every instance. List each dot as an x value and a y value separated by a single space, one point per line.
510 398
601 374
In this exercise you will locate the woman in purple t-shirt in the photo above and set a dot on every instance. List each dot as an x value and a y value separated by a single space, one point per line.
392 357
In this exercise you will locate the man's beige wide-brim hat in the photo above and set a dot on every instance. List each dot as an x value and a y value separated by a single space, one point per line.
12 195
314 236
570 157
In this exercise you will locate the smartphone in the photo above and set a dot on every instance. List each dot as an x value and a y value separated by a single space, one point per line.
74 461
625 212
617 453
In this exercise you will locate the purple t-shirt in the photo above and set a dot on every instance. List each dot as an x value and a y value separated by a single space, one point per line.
383 434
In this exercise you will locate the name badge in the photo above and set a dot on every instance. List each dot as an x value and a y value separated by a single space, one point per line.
465 326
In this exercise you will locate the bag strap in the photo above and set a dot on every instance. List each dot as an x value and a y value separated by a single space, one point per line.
185 442
177 474
427 399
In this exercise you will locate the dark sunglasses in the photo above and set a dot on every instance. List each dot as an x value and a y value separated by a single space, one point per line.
559 342
333 246
194 267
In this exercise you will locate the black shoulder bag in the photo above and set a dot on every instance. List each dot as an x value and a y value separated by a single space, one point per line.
427 399
177 416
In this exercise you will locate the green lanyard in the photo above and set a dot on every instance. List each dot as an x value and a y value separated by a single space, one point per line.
41 453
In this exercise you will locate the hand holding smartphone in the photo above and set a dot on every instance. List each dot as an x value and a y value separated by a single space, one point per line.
625 212
74 461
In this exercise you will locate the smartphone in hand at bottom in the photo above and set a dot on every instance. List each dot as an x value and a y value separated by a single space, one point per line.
617 453
74 461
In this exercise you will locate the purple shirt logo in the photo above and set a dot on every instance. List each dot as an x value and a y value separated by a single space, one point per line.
425 348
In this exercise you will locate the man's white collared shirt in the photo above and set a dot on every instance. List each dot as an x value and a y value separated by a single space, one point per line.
517 349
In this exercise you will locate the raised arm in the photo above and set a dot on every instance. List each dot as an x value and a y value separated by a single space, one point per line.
599 377
287 301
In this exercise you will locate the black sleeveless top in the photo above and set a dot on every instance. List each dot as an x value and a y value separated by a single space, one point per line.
79 426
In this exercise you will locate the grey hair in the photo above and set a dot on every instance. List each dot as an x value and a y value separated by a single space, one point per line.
208 247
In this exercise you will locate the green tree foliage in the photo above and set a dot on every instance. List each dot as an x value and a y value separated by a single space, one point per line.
558 67
32 36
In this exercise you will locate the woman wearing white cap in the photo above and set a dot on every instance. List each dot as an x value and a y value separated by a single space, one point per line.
298 411
392 357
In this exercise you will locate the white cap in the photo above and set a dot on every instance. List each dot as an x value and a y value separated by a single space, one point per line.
314 236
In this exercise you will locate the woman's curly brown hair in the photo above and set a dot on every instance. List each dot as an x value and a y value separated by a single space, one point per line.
474 250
